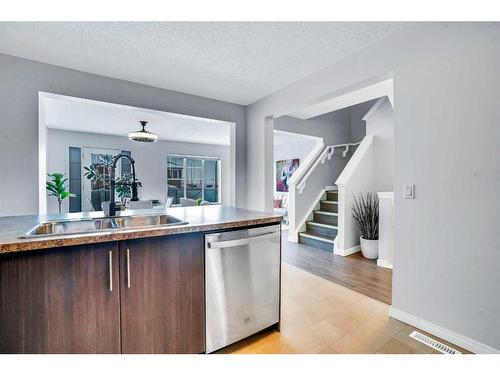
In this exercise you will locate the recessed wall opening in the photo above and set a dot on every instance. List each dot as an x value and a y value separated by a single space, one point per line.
192 159
346 153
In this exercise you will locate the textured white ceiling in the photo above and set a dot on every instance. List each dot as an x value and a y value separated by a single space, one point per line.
81 115
238 62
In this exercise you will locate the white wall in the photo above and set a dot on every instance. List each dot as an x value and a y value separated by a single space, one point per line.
150 158
447 142
22 80
295 147
380 124
298 148
386 229
371 169
356 178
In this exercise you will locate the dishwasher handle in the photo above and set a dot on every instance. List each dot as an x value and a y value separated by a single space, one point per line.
241 241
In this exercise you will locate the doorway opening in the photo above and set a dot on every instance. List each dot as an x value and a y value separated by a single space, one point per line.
354 157
79 137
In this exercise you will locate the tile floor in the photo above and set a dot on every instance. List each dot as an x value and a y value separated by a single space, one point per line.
319 316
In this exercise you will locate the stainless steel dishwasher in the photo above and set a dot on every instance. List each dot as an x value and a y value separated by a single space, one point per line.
242 277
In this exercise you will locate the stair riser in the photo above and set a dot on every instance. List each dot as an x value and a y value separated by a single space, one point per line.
332 196
328 207
325 219
328 232
317 244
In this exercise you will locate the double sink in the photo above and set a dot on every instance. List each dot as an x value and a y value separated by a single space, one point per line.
78 226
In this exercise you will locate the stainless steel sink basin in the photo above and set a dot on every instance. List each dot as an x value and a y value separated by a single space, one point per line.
54 228
51 228
146 221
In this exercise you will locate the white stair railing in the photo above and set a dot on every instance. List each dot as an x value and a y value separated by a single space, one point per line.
318 176
327 154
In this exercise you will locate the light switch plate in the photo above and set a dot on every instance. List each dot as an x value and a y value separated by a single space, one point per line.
409 191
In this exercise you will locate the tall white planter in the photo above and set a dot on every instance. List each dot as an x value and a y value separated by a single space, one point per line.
369 248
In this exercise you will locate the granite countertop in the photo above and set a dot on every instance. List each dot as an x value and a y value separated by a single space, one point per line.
199 218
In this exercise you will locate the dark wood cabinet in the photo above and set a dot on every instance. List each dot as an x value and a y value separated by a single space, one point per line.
137 296
162 294
60 300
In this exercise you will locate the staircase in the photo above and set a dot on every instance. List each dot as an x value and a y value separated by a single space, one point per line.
322 230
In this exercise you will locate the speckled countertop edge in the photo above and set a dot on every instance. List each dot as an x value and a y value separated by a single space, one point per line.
220 217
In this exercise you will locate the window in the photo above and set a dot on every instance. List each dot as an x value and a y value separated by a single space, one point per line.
75 179
194 177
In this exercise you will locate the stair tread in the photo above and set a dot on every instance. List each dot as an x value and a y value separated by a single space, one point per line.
326 213
317 236
322 225
329 202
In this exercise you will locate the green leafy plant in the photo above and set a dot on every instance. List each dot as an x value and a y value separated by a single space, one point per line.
198 202
123 186
365 212
56 187
92 173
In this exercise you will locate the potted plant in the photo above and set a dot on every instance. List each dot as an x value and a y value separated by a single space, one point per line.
123 184
365 212
56 187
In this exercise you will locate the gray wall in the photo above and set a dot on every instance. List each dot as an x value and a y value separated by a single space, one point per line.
20 82
358 126
342 126
332 127
447 142
150 160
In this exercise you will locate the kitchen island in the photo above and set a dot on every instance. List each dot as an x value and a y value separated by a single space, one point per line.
125 290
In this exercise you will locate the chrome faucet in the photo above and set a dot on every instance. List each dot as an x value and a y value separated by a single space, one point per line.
112 169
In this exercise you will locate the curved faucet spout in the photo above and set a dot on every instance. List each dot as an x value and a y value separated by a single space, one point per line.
112 171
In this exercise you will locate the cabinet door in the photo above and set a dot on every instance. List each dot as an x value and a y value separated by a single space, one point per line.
60 300
162 294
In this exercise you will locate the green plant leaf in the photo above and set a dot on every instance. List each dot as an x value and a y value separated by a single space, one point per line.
56 186
64 194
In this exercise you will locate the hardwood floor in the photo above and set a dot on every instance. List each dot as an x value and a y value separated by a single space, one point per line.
354 272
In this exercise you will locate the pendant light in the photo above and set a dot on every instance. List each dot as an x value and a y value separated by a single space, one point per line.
142 135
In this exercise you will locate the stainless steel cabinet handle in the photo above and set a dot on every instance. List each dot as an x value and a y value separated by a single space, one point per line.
128 268
242 241
110 271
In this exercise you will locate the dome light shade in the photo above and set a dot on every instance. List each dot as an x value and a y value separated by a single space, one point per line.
142 135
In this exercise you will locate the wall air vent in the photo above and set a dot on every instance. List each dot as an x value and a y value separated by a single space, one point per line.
433 343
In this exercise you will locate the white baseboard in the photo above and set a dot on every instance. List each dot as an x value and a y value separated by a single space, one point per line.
383 263
346 252
444 333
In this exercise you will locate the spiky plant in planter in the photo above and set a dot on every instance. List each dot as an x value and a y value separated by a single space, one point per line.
365 213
